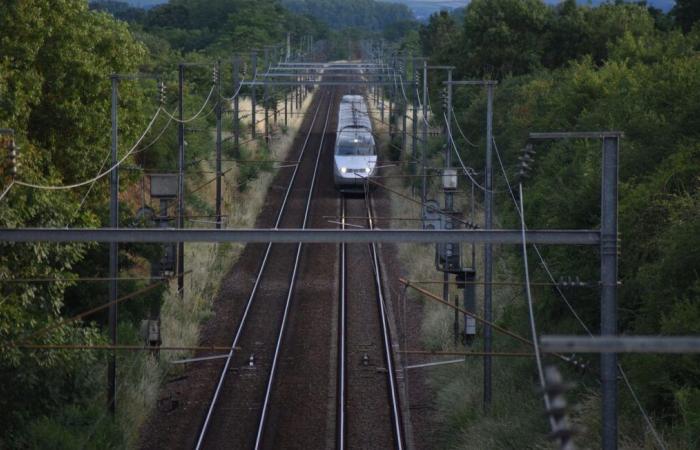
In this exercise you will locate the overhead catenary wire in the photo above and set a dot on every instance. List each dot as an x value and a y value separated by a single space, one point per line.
198 112
467 170
459 128
531 315
101 175
7 189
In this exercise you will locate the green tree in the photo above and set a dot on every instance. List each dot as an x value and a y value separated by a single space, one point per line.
504 37
686 12
54 82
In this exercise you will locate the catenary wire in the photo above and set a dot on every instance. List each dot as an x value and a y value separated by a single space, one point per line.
103 174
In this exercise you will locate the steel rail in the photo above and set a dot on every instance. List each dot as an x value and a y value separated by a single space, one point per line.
249 303
388 353
290 292
342 343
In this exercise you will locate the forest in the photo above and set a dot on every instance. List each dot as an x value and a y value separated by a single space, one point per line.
620 66
617 66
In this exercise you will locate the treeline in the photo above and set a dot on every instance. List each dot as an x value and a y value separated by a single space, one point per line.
215 26
578 68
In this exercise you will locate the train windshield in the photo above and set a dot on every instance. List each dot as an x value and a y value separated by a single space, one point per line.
354 150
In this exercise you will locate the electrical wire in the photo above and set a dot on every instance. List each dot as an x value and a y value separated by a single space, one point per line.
7 189
198 112
646 417
103 174
461 132
531 314
467 170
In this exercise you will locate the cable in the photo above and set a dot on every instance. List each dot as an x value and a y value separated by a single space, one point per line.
531 313
646 417
103 174
461 132
465 168
198 113
7 189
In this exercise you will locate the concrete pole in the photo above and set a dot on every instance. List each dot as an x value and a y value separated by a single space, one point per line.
236 115
608 299
266 97
414 125
425 132
449 199
181 181
253 115
488 267
113 251
404 78
289 47
218 145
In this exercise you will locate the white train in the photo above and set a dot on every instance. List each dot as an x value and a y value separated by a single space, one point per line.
355 155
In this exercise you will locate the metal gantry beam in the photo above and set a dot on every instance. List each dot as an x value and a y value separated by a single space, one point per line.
287 235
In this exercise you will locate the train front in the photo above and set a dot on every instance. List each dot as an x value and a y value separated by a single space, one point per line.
355 159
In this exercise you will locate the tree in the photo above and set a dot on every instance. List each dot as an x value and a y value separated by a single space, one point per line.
686 12
54 78
504 37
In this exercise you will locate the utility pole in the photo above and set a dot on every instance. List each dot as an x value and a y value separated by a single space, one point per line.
488 250
608 271
236 89
608 277
181 181
113 250
404 78
289 46
266 96
414 125
424 187
253 107
217 80
449 199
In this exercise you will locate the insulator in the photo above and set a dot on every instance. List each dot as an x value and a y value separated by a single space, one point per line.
13 158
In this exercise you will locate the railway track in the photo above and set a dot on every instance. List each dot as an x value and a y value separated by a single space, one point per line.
321 373
240 403
369 411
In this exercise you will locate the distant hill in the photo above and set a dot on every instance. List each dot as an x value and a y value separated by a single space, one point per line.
424 8
367 14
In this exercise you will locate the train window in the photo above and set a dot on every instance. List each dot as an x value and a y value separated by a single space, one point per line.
354 150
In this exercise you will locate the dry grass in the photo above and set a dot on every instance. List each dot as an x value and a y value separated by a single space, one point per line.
181 317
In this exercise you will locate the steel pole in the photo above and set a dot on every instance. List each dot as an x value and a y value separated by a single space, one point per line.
488 263
253 107
404 136
449 200
608 298
113 251
266 97
181 180
218 145
236 115
425 131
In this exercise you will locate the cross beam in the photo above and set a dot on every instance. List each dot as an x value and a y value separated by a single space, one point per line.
325 235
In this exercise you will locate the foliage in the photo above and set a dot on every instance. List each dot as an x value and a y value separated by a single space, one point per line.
616 66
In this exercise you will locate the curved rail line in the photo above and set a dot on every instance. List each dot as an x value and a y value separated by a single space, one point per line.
241 326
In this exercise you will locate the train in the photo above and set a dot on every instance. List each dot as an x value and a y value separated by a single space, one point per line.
355 152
